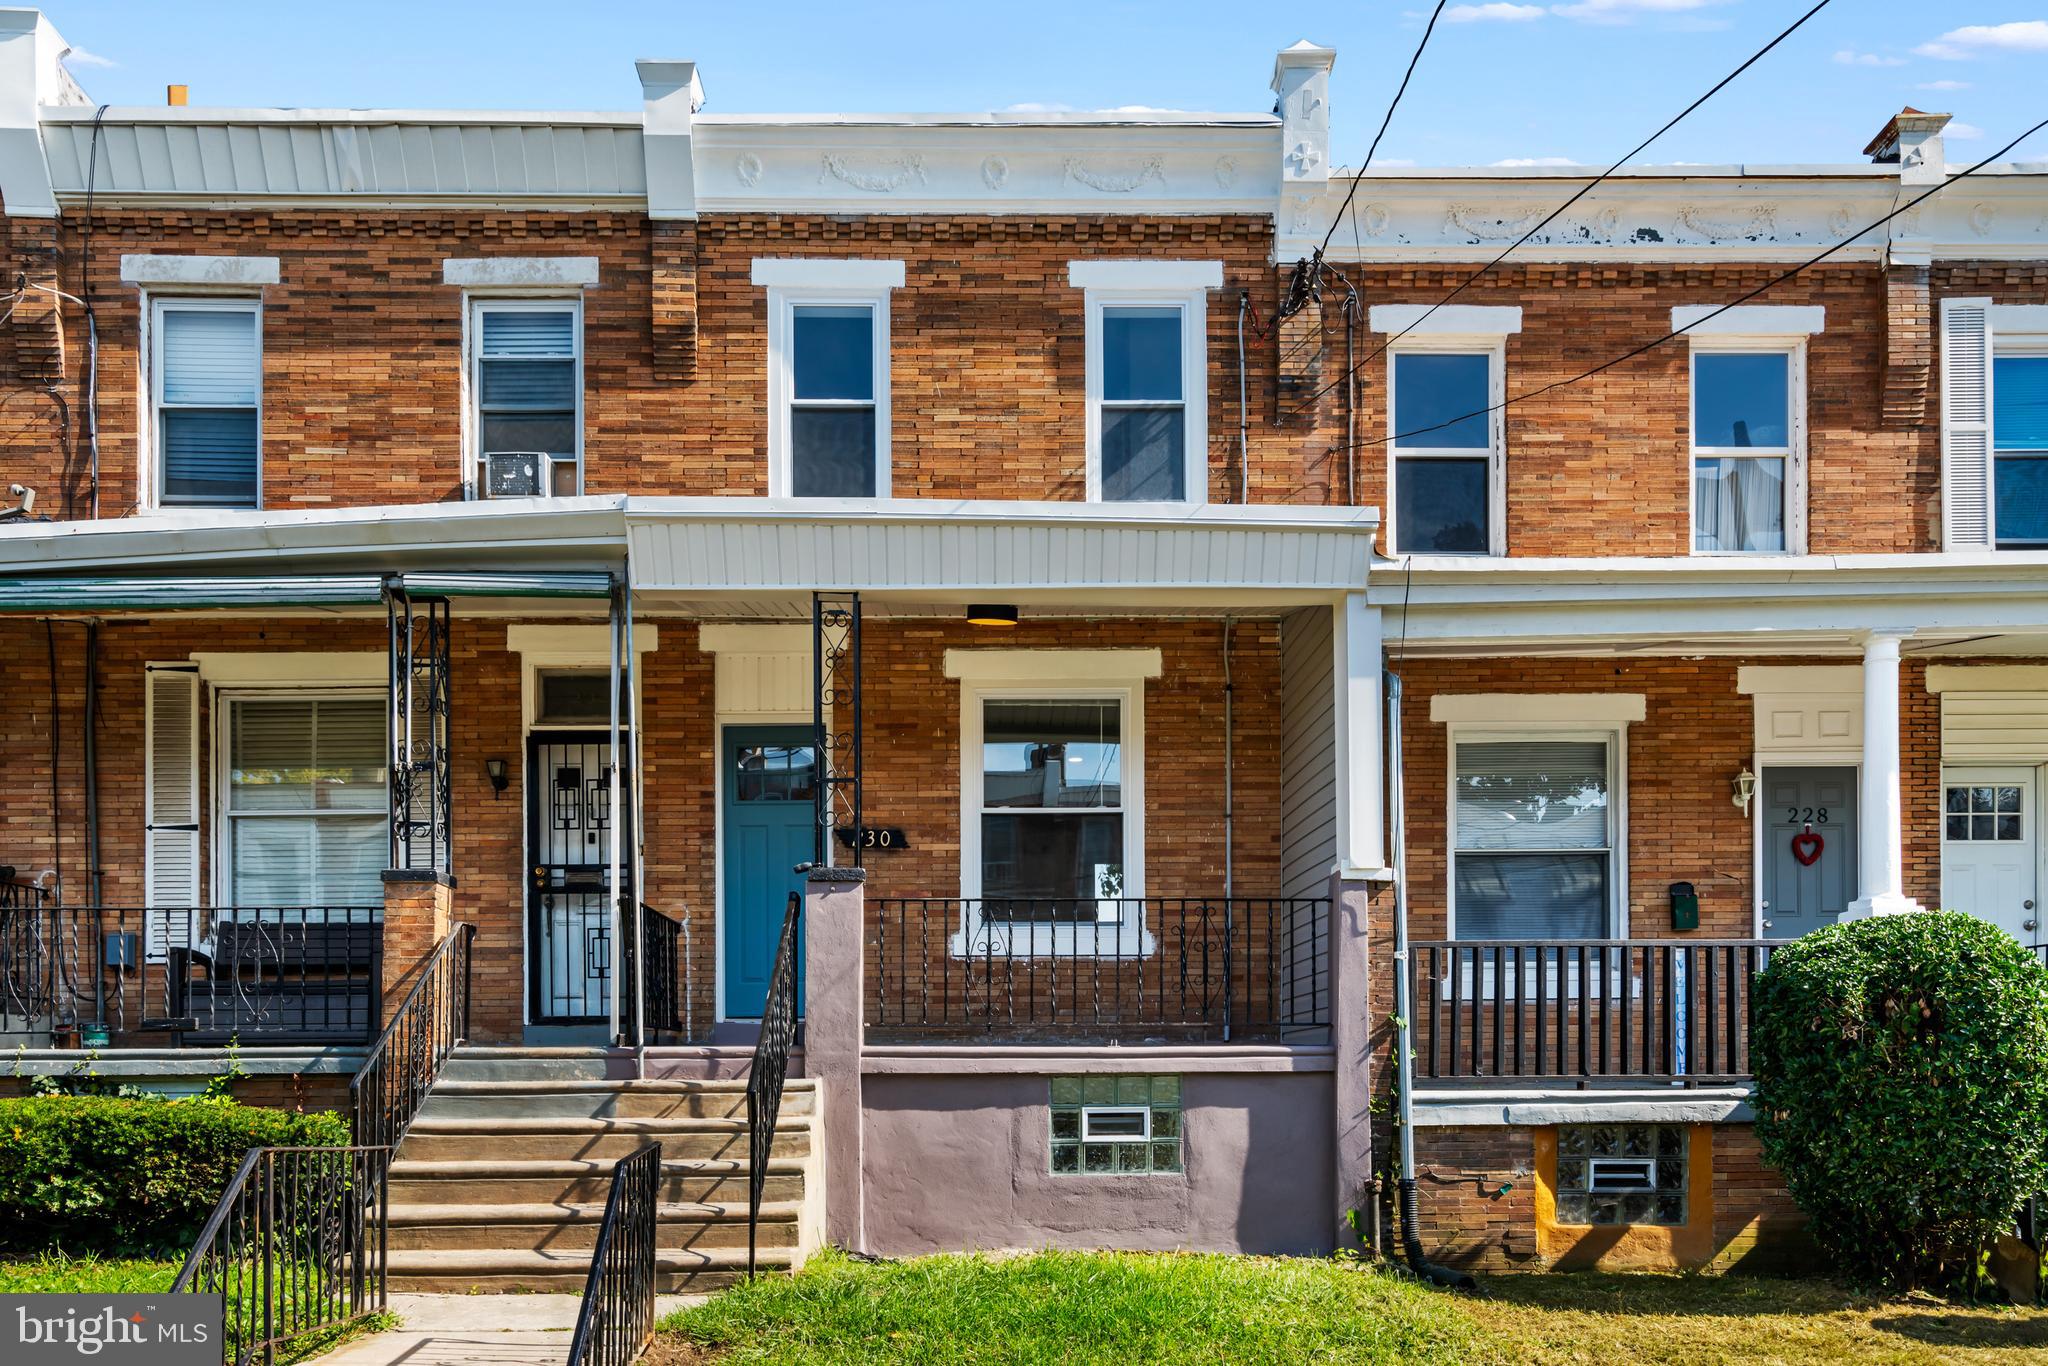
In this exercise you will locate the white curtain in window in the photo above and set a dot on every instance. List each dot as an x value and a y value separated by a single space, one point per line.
1739 503
1532 839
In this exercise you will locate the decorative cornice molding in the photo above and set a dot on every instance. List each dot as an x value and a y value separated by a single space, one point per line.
1761 220
882 175
1121 180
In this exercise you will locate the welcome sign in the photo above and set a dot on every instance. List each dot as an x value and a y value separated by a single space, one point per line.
145 1330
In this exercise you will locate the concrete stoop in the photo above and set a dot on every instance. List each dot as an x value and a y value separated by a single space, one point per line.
501 1182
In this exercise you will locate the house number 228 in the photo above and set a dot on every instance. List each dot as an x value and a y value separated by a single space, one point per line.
1807 815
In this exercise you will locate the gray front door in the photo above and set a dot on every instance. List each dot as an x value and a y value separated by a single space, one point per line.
1809 862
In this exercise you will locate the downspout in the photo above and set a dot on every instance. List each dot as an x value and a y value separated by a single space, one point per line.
1229 767
634 852
1351 392
1404 1043
1244 447
617 813
94 873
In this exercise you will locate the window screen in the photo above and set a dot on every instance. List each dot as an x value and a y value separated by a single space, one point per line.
208 368
1144 410
1532 839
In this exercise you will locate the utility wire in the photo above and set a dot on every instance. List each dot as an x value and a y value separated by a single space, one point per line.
1554 214
1677 332
1394 104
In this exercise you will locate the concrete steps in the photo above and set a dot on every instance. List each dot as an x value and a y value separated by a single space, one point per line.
500 1184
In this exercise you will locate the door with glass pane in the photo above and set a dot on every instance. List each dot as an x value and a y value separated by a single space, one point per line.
569 817
303 818
771 784
1809 853
1988 847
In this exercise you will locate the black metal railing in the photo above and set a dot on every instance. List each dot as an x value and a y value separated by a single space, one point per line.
1179 968
1658 1010
654 969
771 1066
297 1243
207 974
392 1084
616 1320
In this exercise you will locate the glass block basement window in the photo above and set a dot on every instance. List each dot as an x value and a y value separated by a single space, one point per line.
1103 1126
1621 1174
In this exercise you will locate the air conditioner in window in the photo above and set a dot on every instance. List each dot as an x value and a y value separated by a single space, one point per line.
514 474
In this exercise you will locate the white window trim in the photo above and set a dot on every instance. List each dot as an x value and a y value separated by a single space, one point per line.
1784 322
149 475
1793 454
474 306
796 283
551 273
1067 940
199 272
1613 735
1494 346
1182 285
1461 320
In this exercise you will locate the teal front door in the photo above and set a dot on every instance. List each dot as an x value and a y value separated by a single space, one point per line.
769 781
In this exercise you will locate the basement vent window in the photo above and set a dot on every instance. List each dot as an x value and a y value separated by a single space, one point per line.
1105 1126
1619 1174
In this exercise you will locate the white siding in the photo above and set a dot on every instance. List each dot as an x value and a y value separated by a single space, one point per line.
1994 727
1308 754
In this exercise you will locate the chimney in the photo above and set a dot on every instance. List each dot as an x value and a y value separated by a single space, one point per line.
1301 83
1912 142
174 95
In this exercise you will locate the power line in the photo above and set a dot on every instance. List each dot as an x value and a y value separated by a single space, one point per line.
1736 302
1392 105
1554 214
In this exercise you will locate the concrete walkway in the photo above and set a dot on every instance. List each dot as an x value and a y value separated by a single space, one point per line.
477 1330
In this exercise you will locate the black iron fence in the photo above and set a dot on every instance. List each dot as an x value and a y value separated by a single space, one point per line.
401 1067
1178 968
655 969
257 974
297 1244
617 1317
1655 1010
771 1065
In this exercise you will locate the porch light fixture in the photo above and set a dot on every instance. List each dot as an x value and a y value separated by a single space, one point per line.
495 770
1744 784
991 614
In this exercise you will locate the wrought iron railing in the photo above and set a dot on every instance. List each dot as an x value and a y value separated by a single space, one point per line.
256 974
771 1066
654 969
297 1243
1176 968
617 1317
1655 1010
401 1067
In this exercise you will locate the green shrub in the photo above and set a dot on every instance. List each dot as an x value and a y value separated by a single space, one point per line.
122 1175
1902 1088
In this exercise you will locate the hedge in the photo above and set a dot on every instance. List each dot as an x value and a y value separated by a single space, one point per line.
130 1176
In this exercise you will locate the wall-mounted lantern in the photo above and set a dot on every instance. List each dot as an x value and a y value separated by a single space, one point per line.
1744 784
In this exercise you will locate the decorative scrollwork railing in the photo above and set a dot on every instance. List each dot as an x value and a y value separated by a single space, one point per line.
392 1084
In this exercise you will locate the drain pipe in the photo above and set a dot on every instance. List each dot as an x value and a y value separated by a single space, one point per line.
1404 1042
1244 442
1229 767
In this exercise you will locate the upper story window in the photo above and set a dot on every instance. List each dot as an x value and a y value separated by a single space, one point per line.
2019 443
527 390
828 376
1446 456
1147 383
207 390
1743 402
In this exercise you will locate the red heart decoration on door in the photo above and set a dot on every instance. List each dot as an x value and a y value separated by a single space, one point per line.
1806 847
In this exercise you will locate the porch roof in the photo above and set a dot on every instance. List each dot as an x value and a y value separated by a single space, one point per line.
91 593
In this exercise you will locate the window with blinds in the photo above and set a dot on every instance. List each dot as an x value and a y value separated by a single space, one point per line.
528 387
305 801
2019 448
1533 839
207 370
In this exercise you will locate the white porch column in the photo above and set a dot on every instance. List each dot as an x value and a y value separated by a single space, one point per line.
1880 834
1361 775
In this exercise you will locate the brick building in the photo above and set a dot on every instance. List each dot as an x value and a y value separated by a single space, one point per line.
566 526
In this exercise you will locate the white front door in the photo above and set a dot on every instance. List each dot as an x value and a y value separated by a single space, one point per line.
1988 841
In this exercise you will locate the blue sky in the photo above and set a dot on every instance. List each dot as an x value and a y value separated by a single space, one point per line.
1578 81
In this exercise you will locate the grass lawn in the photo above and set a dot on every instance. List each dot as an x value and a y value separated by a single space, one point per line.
53 1273
1071 1307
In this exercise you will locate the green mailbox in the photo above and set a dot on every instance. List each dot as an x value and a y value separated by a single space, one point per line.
1685 907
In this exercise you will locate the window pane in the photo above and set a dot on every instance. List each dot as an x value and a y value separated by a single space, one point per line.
2022 494
1143 455
529 384
210 456
1046 754
1433 389
575 697
529 332
209 356
272 862
1141 355
1532 794
1532 896
1738 503
2019 403
553 433
348 861
1067 855
835 352
832 452
776 773
1739 398
1440 506
314 755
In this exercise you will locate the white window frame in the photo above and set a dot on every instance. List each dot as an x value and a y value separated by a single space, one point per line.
223 702
474 306
1021 939
2007 345
151 471
1793 454
1180 285
823 283
1495 347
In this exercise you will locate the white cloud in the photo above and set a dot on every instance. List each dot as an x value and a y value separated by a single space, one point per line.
78 56
1497 11
1943 85
1962 132
1849 58
1625 11
1032 107
1975 40
1537 161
